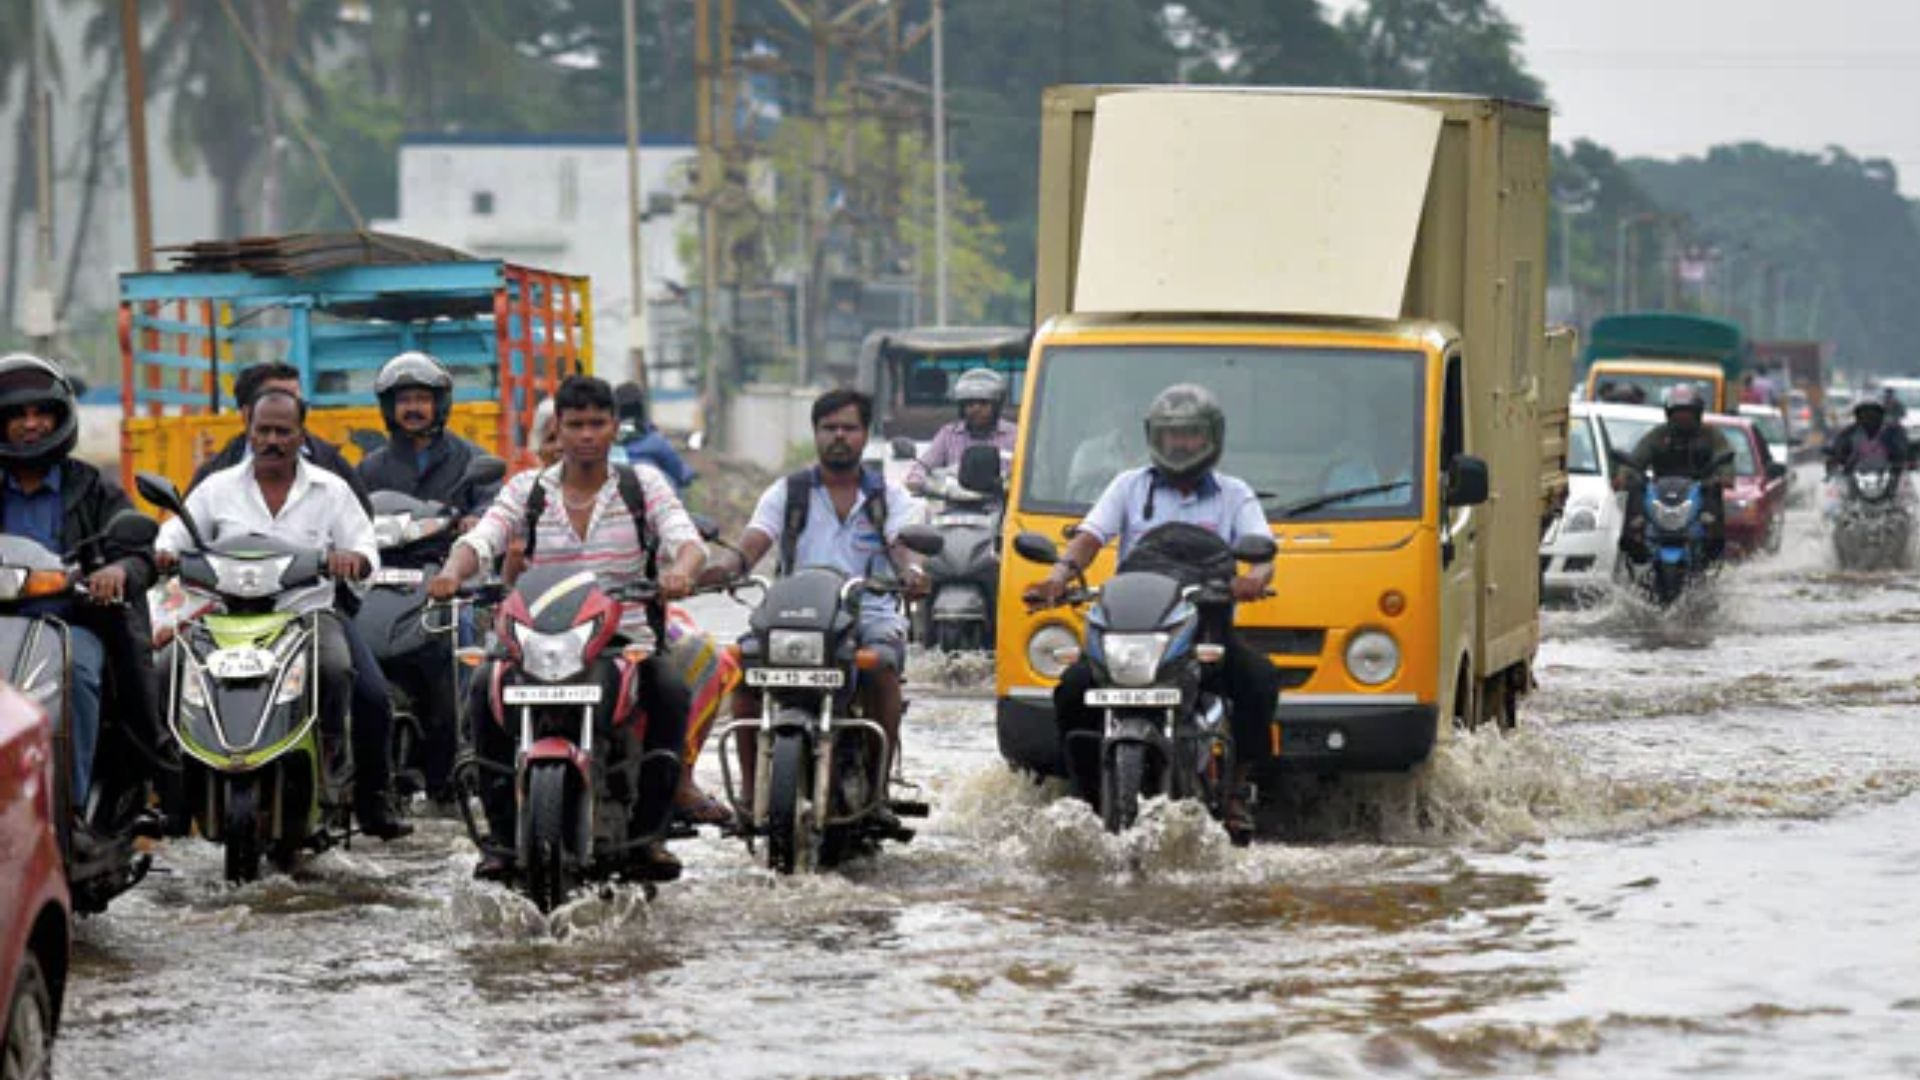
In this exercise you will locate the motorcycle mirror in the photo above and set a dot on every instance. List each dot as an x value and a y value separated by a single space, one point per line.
708 528
1035 548
903 449
1255 548
484 470
79 385
922 540
159 491
980 470
131 528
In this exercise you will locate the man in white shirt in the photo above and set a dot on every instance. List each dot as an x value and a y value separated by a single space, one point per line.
277 493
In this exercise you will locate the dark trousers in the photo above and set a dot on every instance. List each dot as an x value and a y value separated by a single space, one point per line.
372 722
427 677
663 696
1243 676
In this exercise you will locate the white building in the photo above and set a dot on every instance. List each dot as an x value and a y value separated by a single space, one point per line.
560 203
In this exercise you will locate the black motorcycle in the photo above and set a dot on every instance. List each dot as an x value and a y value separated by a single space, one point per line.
1150 638
97 838
822 770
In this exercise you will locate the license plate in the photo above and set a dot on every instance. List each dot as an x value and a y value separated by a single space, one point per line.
398 576
240 662
1114 698
806 678
550 695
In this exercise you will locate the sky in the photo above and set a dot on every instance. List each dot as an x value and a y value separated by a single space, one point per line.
1672 78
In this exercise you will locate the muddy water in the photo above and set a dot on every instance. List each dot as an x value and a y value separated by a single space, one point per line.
1700 853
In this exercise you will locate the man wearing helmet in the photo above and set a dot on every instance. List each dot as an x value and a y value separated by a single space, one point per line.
642 442
57 501
981 395
1869 439
1683 446
1186 432
422 458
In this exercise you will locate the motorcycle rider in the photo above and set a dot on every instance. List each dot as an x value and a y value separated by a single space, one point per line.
1185 434
597 519
1870 438
981 395
837 513
1683 446
276 492
422 458
56 500
642 442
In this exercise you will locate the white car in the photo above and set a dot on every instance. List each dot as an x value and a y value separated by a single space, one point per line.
1580 547
1772 426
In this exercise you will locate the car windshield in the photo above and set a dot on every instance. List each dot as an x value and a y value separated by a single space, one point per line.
1301 423
1625 432
1582 455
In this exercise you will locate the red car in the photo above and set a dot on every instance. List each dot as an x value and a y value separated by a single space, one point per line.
36 917
1757 501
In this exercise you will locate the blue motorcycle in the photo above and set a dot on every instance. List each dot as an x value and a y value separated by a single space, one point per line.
1677 522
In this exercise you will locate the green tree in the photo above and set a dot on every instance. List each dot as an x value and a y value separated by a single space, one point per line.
1459 46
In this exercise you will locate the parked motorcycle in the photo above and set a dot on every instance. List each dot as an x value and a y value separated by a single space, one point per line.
1676 512
102 860
1873 525
1150 641
244 698
822 769
958 613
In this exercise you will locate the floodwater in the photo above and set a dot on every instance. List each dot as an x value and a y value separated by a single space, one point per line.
1698 854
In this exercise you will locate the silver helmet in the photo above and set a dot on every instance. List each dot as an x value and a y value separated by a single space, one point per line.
980 384
1185 408
26 379
414 369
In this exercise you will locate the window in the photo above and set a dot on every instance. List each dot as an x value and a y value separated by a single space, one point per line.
483 204
1582 455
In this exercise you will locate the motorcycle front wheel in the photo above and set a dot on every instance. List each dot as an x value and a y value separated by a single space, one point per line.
789 815
547 874
240 832
1120 787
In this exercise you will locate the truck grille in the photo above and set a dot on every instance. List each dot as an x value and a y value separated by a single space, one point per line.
1293 678
1283 641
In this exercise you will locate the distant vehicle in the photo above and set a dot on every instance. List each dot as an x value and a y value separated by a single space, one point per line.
1757 501
1580 547
1801 421
36 914
1907 390
910 374
1771 423
1651 351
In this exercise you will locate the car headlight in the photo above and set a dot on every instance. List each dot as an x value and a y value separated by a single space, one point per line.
1739 504
1042 647
552 657
1582 520
796 648
1133 659
249 579
294 682
1373 657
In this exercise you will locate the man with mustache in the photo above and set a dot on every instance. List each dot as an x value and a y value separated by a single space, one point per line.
422 458
277 493
838 514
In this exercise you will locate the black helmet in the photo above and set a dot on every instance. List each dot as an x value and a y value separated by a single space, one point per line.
25 380
1185 407
414 369
630 408
1866 403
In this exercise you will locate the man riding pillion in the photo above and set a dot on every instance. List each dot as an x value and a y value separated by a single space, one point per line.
55 500
276 492
840 515
1186 432
586 512
1683 446
422 458
642 442
1869 439
981 395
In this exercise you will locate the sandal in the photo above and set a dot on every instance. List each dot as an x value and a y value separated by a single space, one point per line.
704 809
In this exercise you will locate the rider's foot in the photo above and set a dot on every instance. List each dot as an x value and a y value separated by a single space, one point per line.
494 866
653 862
386 828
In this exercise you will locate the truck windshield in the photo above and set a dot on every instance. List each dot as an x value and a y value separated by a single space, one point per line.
927 380
1302 424
1630 388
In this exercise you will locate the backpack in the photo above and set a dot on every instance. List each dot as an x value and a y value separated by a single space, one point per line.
636 503
873 486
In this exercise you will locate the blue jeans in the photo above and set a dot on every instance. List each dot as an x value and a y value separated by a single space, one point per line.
89 668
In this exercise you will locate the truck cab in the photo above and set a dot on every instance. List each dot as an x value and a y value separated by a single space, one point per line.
1403 426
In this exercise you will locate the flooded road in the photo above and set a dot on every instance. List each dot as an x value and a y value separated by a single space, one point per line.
1700 853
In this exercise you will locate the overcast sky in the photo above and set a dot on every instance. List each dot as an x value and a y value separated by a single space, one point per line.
1671 78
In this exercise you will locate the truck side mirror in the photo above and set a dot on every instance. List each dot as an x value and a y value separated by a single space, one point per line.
903 449
1035 548
1467 483
980 470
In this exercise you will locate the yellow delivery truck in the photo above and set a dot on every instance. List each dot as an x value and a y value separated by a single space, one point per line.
1360 279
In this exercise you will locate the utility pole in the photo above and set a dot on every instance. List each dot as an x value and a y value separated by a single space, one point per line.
709 233
137 134
39 318
636 254
939 166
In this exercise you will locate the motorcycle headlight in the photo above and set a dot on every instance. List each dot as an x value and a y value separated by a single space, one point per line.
193 688
1043 647
1671 516
248 578
294 683
1133 659
1582 520
552 657
1373 657
797 648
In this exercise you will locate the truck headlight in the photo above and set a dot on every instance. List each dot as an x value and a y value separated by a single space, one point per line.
1373 657
1132 659
797 648
1042 646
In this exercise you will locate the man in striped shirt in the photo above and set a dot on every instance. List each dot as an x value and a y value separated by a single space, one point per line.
587 524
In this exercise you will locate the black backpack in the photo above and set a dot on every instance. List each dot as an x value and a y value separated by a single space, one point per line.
873 485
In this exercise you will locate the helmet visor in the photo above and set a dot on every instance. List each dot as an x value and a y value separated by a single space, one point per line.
1180 444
